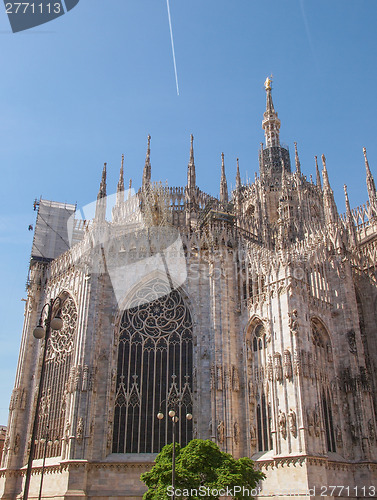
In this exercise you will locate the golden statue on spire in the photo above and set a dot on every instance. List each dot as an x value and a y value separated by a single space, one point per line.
267 83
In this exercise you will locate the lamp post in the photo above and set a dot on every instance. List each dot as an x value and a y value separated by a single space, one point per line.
44 462
40 332
173 415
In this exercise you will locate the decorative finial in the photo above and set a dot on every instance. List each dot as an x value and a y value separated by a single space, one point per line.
297 160
267 83
348 208
147 167
130 184
366 160
318 176
223 183
192 149
324 162
238 176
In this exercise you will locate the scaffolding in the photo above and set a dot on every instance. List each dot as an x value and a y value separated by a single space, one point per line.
51 237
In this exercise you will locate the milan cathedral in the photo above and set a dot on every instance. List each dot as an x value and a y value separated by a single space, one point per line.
255 311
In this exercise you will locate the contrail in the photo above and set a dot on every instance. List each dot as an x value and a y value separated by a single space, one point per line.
172 47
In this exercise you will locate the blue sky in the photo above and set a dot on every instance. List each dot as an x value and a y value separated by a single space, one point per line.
92 84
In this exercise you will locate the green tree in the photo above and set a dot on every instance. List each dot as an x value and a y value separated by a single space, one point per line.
200 464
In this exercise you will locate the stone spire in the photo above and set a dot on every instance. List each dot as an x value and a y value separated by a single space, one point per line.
238 176
261 161
223 183
298 165
100 214
191 175
271 122
129 188
283 179
147 167
318 176
331 212
371 187
120 186
350 224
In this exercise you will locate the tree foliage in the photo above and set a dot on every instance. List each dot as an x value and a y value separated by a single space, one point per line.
199 464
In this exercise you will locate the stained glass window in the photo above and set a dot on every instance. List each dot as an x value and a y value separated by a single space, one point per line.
154 371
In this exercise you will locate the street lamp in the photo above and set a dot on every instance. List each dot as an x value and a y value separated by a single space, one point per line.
46 443
173 415
40 332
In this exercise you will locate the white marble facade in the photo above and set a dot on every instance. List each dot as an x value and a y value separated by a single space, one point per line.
274 308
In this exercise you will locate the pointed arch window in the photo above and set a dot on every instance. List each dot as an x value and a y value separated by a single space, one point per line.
264 424
154 366
260 407
323 359
327 417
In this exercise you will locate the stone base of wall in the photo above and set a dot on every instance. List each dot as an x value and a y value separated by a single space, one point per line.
317 478
287 478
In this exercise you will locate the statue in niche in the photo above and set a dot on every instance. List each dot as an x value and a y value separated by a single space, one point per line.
351 337
278 367
235 379
287 364
253 434
219 378
293 322
283 424
220 431
80 430
16 447
236 432
292 422
339 437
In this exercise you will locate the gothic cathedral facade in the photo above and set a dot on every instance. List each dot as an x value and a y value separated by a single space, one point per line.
255 311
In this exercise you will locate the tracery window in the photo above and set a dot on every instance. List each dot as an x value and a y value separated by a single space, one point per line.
323 360
258 371
329 427
154 369
58 365
264 424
